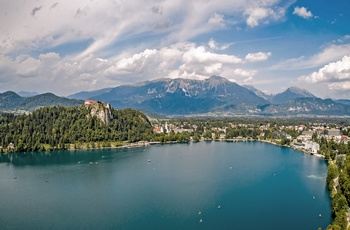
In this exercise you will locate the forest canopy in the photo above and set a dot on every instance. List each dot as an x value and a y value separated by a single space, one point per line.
56 127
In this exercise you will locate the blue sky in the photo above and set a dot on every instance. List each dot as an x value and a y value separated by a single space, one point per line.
66 47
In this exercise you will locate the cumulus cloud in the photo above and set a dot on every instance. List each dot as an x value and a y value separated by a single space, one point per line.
179 60
203 63
260 56
136 63
185 60
336 73
50 72
263 11
257 14
202 56
302 12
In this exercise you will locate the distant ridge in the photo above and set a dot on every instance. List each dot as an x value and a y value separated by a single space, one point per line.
27 94
307 106
343 101
215 96
83 95
291 93
10 101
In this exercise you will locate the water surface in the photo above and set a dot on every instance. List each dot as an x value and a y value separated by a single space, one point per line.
233 186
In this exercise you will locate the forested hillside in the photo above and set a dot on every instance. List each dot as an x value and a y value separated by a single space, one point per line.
12 102
56 127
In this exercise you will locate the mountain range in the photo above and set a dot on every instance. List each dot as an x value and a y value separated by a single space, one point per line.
215 96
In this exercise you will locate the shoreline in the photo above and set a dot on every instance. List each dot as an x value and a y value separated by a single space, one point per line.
125 145
146 144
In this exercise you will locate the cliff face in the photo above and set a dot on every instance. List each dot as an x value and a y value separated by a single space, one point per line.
100 110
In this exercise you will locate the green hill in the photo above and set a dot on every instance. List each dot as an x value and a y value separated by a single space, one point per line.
56 127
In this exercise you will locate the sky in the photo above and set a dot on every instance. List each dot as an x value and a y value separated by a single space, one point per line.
66 47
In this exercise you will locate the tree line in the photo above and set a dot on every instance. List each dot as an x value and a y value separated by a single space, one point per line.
56 127
338 181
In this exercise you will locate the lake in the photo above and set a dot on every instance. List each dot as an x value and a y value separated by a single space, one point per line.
205 185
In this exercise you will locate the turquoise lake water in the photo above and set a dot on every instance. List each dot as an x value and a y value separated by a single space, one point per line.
250 185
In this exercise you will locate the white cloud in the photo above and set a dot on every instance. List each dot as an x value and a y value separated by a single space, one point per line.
340 86
136 63
256 15
302 12
337 74
217 20
45 23
201 55
260 56
239 75
28 67
329 54
248 74
213 45
50 72
179 60
64 75
109 45
263 11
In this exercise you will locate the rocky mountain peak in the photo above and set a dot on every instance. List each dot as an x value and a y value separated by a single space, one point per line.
301 92
258 92
217 80
291 93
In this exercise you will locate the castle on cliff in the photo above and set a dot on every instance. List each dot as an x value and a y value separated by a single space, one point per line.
100 110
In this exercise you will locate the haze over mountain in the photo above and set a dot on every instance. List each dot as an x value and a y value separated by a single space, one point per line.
88 94
27 94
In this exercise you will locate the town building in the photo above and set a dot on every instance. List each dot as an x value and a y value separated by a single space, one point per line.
333 132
